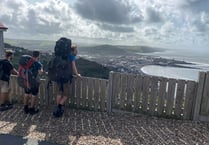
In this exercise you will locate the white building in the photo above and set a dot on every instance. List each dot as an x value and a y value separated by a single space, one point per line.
2 29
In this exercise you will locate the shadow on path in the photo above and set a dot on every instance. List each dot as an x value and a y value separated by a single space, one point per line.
6 139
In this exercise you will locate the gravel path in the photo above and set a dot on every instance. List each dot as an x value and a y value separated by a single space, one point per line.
95 128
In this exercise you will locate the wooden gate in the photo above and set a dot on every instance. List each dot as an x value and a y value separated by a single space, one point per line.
152 95
201 112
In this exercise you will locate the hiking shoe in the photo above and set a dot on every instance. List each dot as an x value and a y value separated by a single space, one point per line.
33 111
4 107
58 113
26 109
9 105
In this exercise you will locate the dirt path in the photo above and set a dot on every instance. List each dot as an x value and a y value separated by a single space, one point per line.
95 128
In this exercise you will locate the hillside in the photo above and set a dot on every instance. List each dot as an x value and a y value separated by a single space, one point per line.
85 67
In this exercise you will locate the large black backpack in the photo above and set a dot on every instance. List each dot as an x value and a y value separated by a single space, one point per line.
60 66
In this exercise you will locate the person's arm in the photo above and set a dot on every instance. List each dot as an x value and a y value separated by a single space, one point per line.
75 69
40 70
14 71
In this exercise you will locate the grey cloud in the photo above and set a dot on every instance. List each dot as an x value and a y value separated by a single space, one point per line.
37 19
36 24
195 5
115 28
108 11
200 26
150 31
152 16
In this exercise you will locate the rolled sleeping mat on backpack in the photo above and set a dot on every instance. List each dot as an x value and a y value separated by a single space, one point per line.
24 59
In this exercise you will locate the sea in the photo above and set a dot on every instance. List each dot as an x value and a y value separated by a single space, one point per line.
199 60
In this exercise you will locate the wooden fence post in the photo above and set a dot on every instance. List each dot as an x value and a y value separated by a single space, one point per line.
200 90
109 99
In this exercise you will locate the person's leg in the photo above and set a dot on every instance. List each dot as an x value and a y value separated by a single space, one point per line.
59 112
66 93
34 92
5 96
3 106
58 99
33 101
25 100
4 92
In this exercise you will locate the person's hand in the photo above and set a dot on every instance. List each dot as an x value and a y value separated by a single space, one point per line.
78 75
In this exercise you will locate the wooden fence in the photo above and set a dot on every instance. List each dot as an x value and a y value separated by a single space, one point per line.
129 92
201 112
153 95
86 93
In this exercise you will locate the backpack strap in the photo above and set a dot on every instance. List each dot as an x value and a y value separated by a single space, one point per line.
29 64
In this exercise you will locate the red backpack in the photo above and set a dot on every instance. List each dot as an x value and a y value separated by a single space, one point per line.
25 75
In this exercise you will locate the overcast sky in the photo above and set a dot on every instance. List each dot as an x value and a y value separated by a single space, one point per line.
164 23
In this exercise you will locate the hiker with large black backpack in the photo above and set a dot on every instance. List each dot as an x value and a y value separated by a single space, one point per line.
60 70
6 69
28 78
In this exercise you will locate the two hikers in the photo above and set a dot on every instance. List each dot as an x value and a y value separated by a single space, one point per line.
6 69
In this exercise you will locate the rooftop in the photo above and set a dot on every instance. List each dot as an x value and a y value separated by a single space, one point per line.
2 26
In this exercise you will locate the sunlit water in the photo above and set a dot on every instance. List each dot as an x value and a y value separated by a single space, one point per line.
201 60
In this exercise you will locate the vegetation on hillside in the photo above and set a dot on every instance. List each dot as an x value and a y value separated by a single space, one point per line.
85 67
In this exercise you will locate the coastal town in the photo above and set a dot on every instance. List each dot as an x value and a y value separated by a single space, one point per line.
133 63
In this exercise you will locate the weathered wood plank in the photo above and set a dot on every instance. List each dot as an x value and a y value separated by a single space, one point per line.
116 90
110 98
84 93
123 96
200 89
96 94
20 94
41 94
190 100
162 96
103 96
145 88
78 92
49 92
138 92
72 94
179 97
90 93
204 109
170 96
153 96
130 92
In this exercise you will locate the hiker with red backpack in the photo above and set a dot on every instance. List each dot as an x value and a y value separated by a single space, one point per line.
29 71
6 69
60 70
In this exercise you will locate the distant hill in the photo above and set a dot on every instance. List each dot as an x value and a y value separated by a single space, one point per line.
104 50
48 46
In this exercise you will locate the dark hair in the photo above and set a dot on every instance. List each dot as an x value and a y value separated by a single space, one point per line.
36 53
8 53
